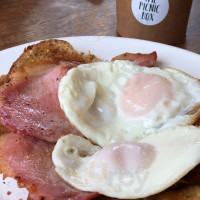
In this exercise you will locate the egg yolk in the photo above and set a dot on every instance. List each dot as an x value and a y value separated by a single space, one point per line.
125 156
143 92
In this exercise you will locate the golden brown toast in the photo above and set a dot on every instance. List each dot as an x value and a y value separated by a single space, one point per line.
51 52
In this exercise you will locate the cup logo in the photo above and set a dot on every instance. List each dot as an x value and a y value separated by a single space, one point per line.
150 12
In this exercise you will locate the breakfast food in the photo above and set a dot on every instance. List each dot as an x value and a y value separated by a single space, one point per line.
119 101
25 158
147 60
29 102
128 170
28 160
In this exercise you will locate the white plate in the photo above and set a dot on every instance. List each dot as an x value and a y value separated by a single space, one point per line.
105 48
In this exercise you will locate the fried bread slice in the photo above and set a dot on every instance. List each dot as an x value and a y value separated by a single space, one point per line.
52 52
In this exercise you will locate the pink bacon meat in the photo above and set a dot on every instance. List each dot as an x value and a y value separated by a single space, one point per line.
30 105
147 60
28 160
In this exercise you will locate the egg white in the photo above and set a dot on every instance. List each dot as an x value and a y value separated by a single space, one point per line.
89 96
177 152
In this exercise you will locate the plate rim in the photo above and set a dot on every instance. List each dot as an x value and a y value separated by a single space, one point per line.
109 37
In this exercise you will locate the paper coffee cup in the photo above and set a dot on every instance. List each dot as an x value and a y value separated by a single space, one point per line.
157 20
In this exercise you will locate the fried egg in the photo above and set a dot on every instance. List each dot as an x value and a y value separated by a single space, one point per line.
119 101
128 170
